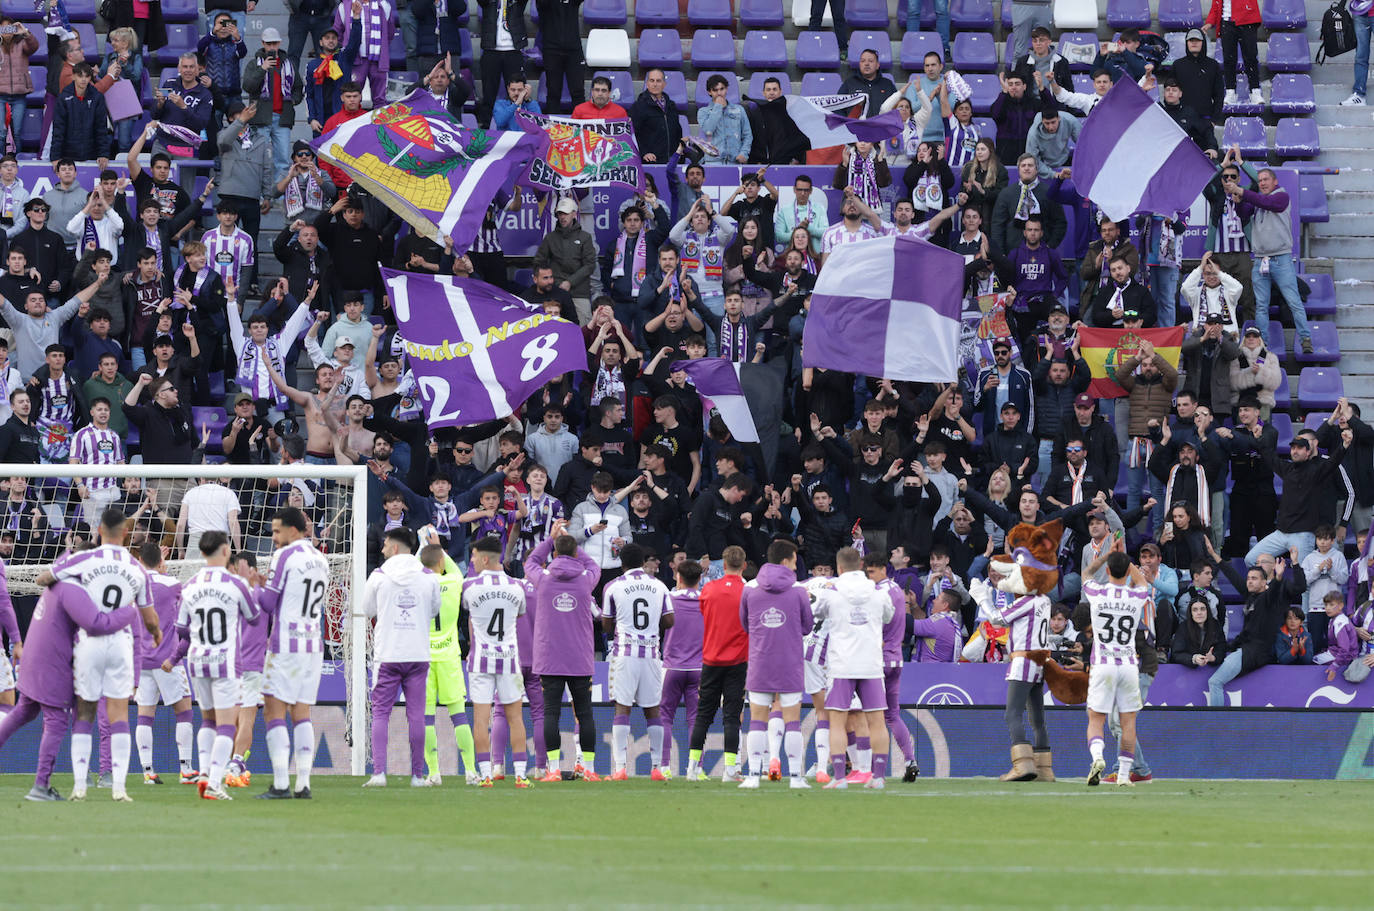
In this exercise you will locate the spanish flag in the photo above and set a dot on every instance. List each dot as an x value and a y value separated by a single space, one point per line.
1106 349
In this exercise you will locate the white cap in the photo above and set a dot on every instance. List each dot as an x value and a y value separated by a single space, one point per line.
270 34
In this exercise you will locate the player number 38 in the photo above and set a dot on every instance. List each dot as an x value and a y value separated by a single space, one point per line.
1117 630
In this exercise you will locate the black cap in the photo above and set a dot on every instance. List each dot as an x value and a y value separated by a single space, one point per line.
1252 330
1248 401
300 145
1057 307
1130 314
1213 318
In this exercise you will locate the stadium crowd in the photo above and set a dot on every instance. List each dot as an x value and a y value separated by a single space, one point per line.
128 328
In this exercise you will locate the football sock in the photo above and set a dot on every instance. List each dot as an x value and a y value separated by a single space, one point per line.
185 735
776 729
484 765
431 745
1124 763
822 738
837 766
589 759
304 737
205 741
864 748
143 739
880 765
119 754
1095 748
521 762
655 741
795 746
758 743
553 760
81 752
279 751
462 735
219 753
620 741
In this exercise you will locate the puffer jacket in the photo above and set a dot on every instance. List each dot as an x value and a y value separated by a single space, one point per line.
1150 398
1256 373
14 66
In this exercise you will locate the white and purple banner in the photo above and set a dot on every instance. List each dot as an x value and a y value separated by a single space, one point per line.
1132 157
824 121
718 382
477 352
889 307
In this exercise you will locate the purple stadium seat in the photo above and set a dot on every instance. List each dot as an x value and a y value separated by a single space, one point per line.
965 15
1180 14
675 87
1320 387
180 11
860 41
543 94
660 47
604 13
398 47
1283 396
1292 93
1078 38
1083 83
1288 53
987 128
32 130
985 88
180 38
927 14
37 77
1007 23
81 10
1296 137
93 46
465 47
1248 132
710 13
1177 44
622 87
713 49
915 46
974 52
656 13
820 83
760 13
1283 426
1321 297
23 11
765 50
757 79
1314 419
1242 103
817 51
1326 344
867 14
1128 13
1283 15
702 98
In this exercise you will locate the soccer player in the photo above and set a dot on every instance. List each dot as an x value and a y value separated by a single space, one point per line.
252 652
212 603
875 566
494 603
815 677
534 694
564 610
404 599
724 664
776 611
1117 607
104 664
162 678
9 624
445 682
681 658
858 611
45 679
636 610
297 579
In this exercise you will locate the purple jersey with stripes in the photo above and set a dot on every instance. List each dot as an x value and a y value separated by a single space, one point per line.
167 603
92 446
1028 623
228 254
816 645
109 574
1117 611
682 642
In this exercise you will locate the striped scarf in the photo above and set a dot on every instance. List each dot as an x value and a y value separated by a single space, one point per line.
1076 496
735 340
638 260
1139 452
1204 497
863 177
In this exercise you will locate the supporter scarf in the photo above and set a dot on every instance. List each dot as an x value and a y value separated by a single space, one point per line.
1170 245
638 260
297 202
609 382
800 213
1076 496
1204 497
201 278
287 77
373 21
445 517
1141 449
863 178
89 235
1230 221
1211 300
154 238
251 364
734 340
929 193
328 68
1028 204
1106 274
1118 302
705 251
188 140
7 200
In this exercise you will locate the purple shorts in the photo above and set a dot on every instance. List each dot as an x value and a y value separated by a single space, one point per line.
870 691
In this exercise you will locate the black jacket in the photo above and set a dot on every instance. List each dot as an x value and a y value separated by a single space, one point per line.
296 268
1054 404
708 527
47 253
1026 70
80 126
1303 503
1010 448
1100 441
560 25
19 442
1006 234
1199 129
135 237
1263 617
1200 78
515 23
776 137
656 128
1133 297
357 252
166 435
1359 459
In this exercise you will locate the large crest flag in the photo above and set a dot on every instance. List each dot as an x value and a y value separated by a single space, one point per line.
1105 350
477 352
437 174
581 153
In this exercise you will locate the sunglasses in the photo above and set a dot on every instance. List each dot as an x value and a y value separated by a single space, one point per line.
304 154
1073 448
462 451
873 449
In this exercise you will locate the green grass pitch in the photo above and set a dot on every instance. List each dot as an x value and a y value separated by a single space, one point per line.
954 843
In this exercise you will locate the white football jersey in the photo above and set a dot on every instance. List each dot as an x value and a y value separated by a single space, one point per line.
1117 611
299 576
212 602
110 575
637 601
493 601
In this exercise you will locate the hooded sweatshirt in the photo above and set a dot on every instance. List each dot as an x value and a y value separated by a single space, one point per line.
45 675
563 611
858 611
404 597
1199 75
775 610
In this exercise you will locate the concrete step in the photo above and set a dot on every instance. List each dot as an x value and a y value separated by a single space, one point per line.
1350 225
1341 135
1350 179
1346 155
1356 341
1345 267
1356 296
1352 202
1357 387
1330 111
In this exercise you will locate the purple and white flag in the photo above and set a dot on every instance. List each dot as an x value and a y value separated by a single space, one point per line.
888 307
822 118
717 382
581 153
437 174
1132 157
477 352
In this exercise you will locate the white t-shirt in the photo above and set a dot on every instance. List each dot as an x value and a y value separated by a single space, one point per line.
207 508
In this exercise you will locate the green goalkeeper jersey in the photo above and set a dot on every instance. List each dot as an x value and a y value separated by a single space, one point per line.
443 635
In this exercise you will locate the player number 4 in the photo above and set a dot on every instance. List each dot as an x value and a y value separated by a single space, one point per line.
497 626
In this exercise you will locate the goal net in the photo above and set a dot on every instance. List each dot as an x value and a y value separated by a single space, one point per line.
50 508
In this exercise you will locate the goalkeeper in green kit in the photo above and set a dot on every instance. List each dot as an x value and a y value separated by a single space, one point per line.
445 684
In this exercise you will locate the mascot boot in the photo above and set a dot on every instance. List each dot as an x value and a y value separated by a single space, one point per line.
1022 764
1044 765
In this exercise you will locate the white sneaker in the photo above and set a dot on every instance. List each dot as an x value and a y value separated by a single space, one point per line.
376 781
799 784
419 781
875 784
750 784
1256 96
1230 97
78 792
435 779
1355 100
730 775
472 778
119 795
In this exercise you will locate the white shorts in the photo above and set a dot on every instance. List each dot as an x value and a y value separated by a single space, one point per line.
251 695
815 677
785 700
168 687
293 677
636 681
104 666
1114 686
217 692
6 673
495 689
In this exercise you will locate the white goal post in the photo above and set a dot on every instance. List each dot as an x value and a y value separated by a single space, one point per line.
348 563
